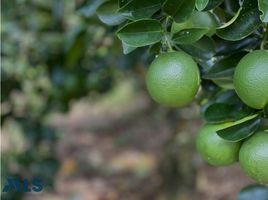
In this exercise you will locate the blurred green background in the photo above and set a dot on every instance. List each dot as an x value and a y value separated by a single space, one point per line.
75 113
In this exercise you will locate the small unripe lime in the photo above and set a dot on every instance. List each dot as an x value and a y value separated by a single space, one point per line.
215 150
251 79
173 79
253 157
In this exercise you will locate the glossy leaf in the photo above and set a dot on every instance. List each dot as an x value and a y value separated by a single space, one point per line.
203 48
201 4
252 192
240 131
197 20
226 110
188 36
121 3
225 67
243 23
212 4
108 14
179 10
224 47
135 9
141 33
127 49
219 112
263 7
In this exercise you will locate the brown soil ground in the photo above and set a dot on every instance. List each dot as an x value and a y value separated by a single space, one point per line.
116 151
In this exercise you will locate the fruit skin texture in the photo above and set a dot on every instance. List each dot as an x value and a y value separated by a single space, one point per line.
253 157
173 79
251 79
215 150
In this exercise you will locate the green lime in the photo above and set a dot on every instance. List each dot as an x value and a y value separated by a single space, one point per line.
173 79
253 157
215 150
251 79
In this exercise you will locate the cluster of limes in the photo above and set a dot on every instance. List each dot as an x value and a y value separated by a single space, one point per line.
173 80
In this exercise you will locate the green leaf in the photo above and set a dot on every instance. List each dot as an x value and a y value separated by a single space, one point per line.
121 3
263 7
89 7
224 47
201 4
141 33
179 10
108 14
219 112
213 4
197 20
243 23
224 68
240 131
127 49
135 9
252 192
203 48
227 110
188 36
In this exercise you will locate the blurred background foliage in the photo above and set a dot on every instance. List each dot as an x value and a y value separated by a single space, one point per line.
50 57
57 52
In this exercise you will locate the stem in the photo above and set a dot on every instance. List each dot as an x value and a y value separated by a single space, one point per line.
167 34
168 43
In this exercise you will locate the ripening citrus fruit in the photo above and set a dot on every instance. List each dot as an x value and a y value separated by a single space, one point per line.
251 79
173 79
215 150
253 157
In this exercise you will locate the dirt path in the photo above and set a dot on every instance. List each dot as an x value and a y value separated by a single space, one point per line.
111 151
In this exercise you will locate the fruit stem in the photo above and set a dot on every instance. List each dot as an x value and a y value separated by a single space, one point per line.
167 34
167 40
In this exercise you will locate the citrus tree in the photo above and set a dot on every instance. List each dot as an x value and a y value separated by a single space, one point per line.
210 51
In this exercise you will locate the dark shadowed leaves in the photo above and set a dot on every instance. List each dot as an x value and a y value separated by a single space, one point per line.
188 36
203 48
243 23
224 68
179 10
